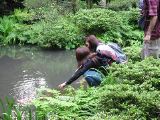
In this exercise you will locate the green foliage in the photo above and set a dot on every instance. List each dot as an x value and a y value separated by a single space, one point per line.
131 16
109 80
51 27
77 106
97 20
61 34
144 73
34 4
21 15
54 30
7 109
110 25
133 52
100 22
129 102
119 5
46 103
12 111
12 32
63 6
8 30
130 91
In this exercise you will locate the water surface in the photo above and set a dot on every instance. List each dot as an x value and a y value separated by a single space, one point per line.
24 69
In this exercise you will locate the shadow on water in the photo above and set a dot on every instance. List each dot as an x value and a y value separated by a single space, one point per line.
24 69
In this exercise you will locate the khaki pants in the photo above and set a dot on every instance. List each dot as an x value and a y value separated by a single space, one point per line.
151 49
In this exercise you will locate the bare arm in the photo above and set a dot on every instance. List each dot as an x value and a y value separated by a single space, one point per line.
78 73
151 26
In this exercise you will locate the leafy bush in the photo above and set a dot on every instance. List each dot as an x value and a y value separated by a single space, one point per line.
133 52
6 28
57 30
131 16
130 91
34 4
129 102
61 34
97 20
142 73
10 110
137 97
11 32
54 30
21 15
51 99
109 25
119 5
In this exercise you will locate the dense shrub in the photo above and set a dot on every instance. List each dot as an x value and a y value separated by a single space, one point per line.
11 32
54 29
34 4
133 52
142 73
51 30
109 25
97 21
66 107
59 34
48 27
131 16
130 91
118 5
129 102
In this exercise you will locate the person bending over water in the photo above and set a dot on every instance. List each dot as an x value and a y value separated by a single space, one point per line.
93 56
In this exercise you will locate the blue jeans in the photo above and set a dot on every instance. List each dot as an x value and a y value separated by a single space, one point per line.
141 22
93 77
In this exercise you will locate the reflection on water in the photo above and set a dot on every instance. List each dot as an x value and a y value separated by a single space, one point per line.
23 70
26 89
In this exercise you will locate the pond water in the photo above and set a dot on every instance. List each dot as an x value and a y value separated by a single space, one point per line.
23 70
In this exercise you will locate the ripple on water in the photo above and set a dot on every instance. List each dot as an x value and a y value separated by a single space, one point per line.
26 89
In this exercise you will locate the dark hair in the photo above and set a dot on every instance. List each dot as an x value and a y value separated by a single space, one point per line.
81 54
93 42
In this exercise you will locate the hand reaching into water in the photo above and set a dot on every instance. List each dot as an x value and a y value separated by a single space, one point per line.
61 86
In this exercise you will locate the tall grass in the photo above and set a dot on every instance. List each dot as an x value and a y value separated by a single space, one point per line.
12 111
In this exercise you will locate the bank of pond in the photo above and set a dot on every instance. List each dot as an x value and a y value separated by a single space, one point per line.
129 91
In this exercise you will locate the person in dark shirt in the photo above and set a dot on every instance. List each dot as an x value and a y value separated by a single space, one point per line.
88 63
95 55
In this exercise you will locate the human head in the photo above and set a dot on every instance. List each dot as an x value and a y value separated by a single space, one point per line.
91 42
81 54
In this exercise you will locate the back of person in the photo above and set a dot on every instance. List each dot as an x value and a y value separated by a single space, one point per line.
122 58
112 50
